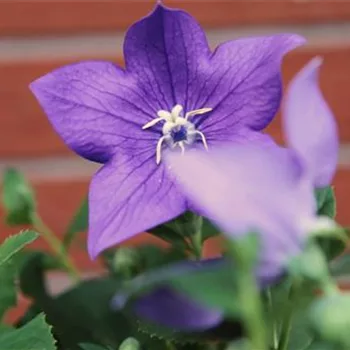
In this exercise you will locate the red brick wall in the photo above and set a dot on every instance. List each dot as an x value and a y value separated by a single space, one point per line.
36 36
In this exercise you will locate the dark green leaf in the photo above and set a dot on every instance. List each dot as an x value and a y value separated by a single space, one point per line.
212 286
36 335
8 267
18 198
333 245
326 204
78 224
310 265
168 234
85 346
14 244
209 230
341 266
8 293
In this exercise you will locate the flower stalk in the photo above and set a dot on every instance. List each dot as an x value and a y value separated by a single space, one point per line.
196 239
56 245
249 296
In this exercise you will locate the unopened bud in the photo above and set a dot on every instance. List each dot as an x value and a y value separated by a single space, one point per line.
330 319
130 344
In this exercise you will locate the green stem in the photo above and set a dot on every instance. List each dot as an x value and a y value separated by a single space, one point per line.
274 325
196 239
251 309
285 331
56 245
287 322
249 297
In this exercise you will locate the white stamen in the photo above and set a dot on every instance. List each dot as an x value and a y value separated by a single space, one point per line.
182 147
164 114
151 123
197 112
174 121
203 139
159 148
176 111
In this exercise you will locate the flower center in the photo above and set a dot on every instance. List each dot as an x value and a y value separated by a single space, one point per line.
179 133
177 130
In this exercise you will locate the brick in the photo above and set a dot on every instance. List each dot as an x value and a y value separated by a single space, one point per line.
26 131
62 17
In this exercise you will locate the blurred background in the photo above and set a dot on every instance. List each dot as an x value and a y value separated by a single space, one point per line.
37 36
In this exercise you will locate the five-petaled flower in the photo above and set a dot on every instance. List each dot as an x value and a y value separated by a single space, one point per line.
245 188
174 93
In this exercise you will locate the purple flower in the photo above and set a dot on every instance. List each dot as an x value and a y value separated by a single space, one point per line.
267 190
174 93
309 126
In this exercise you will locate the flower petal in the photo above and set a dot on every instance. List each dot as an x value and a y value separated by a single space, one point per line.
243 85
128 195
248 188
95 107
165 51
310 126
173 309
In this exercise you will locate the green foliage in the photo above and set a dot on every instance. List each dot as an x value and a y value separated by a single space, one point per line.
330 319
85 346
341 266
7 290
182 229
78 224
310 265
8 267
14 244
326 204
18 198
35 335
334 242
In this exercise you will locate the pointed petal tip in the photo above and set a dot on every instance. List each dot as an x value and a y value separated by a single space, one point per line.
311 69
293 41
309 125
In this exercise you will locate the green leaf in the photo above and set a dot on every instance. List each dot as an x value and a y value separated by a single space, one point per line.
209 230
310 265
36 335
326 203
167 233
341 266
8 267
334 243
8 296
18 198
14 244
86 346
300 337
78 224
318 345
329 317
80 315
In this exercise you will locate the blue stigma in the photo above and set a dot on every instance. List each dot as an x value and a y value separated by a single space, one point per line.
179 133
